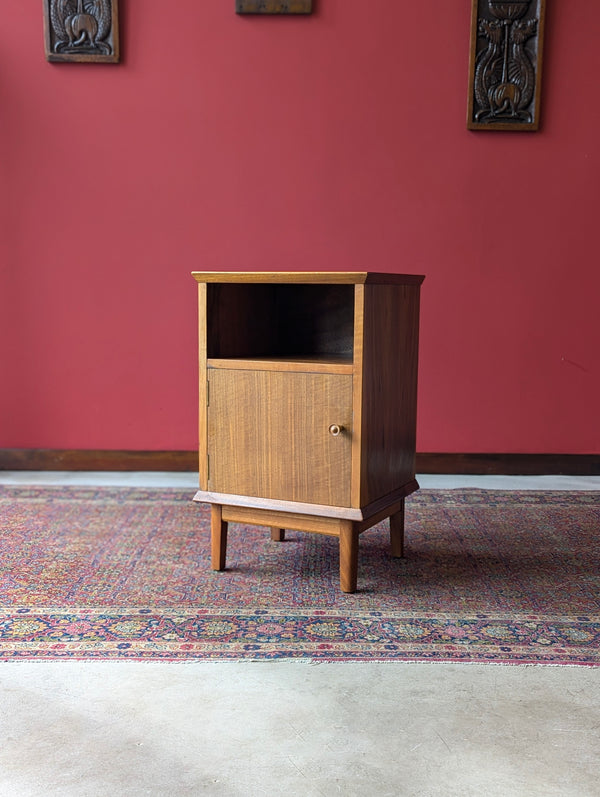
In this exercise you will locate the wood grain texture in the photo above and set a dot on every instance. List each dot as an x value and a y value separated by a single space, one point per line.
385 507
347 531
303 365
268 504
348 556
382 507
389 391
307 277
202 390
357 397
315 524
218 538
365 525
268 435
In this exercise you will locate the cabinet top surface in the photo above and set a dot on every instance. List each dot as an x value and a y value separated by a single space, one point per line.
342 277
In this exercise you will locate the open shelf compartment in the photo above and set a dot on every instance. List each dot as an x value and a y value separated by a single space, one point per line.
278 323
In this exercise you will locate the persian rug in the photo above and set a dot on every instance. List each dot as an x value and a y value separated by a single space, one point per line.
122 573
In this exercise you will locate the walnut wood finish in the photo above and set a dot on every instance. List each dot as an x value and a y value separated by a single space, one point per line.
289 520
389 389
218 537
364 516
302 365
357 396
307 277
268 437
295 507
348 556
397 532
347 531
308 403
202 386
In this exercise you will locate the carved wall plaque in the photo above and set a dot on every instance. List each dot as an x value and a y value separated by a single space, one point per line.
273 6
81 30
506 64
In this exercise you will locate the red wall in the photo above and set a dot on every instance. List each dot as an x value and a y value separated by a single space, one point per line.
335 141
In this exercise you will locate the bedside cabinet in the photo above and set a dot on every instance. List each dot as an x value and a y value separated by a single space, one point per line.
308 389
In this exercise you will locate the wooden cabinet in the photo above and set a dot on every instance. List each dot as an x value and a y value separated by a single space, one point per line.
308 387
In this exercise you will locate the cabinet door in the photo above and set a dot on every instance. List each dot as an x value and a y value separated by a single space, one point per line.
269 435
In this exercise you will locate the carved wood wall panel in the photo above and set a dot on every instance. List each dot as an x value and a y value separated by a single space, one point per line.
81 30
273 6
506 64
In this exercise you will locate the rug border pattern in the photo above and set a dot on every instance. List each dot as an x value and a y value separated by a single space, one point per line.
326 635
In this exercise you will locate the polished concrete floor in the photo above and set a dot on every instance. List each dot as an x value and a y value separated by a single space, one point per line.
89 729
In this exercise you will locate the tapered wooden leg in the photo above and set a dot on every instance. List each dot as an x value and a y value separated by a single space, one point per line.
348 556
397 532
277 535
218 537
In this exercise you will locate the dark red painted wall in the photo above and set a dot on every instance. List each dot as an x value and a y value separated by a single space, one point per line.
332 142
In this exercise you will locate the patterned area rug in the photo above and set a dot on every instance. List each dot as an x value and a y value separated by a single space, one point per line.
120 573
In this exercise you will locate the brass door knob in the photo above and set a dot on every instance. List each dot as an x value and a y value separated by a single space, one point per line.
335 430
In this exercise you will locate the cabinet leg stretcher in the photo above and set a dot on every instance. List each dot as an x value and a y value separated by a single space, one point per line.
347 531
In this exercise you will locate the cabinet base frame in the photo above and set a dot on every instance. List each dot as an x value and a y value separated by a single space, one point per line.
300 508
347 530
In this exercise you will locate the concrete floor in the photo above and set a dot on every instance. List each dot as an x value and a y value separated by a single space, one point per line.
89 729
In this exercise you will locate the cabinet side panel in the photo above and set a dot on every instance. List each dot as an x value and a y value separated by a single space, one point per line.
389 400
202 389
357 392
